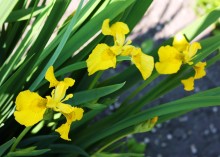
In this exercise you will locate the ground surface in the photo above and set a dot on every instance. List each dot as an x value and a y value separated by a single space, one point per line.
195 134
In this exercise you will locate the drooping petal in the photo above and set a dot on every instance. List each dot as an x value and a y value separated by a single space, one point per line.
144 63
63 130
170 60
30 108
101 58
75 114
49 76
180 42
188 84
199 70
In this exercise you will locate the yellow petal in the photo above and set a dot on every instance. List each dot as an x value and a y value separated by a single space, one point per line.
188 84
180 42
144 63
193 48
116 49
69 82
106 30
118 30
49 76
129 50
101 58
199 70
60 91
67 97
64 108
75 114
170 60
30 108
63 130
191 52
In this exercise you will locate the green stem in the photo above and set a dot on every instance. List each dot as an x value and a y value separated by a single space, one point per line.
22 134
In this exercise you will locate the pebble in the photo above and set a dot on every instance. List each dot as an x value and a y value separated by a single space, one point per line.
130 136
183 119
146 140
197 89
163 144
212 128
154 130
159 125
169 136
117 105
159 155
111 107
215 109
206 132
193 149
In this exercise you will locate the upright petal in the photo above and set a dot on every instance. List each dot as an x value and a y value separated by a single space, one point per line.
60 91
188 84
170 60
118 30
49 76
69 82
106 30
101 58
199 70
30 108
193 48
180 42
63 130
144 63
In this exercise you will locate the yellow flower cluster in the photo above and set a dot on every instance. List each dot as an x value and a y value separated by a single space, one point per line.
172 57
104 56
30 106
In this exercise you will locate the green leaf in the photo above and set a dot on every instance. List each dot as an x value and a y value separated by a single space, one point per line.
6 7
118 155
94 94
59 48
6 146
95 106
28 152
67 149
201 24
23 14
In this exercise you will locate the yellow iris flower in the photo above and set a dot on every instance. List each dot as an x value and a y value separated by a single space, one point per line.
104 57
30 106
172 57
